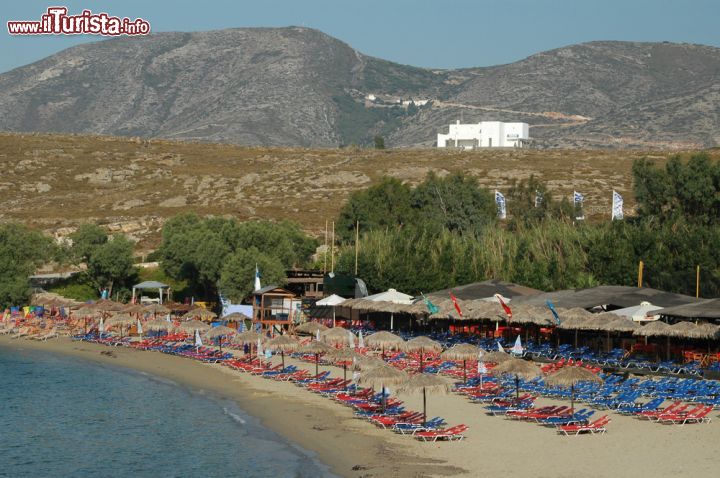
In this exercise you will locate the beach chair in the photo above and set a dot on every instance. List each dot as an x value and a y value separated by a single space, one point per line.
598 426
455 433
698 414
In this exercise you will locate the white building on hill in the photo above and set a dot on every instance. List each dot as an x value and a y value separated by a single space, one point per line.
486 134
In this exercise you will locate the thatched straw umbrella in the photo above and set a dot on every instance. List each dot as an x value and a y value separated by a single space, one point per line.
158 324
462 352
156 309
337 336
686 330
120 320
344 355
569 377
248 337
384 340
190 326
710 331
316 348
366 363
200 313
518 368
105 305
655 329
236 317
421 344
134 309
310 328
283 343
495 357
382 376
219 332
428 384
573 322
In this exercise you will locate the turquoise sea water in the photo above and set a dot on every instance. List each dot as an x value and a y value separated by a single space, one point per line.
64 417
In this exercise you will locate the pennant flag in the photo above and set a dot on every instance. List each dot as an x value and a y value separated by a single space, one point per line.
198 340
257 278
517 349
500 201
538 198
455 303
361 341
554 312
617 206
432 308
505 307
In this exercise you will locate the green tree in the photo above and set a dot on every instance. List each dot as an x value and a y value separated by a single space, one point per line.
379 142
237 279
85 240
111 264
22 250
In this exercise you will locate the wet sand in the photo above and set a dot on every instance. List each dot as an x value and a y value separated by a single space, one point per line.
494 446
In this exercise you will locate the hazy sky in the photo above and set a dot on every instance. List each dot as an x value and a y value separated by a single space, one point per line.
430 33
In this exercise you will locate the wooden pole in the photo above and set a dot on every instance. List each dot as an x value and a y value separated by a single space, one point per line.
326 248
332 249
357 242
640 273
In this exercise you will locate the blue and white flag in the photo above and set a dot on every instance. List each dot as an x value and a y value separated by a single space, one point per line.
578 201
617 206
243 328
500 201
554 312
257 278
577 197
538 198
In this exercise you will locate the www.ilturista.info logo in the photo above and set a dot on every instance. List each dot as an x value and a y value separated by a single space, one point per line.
57 22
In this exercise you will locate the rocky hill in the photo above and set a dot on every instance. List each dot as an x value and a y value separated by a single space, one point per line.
299 87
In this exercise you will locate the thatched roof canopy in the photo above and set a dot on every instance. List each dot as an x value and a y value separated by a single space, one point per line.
495 357
517 367
310 328
220 331
383 376
158 324
422 343
192 325
284 343
315 347
571 376
384 340
248 337
337 336
654 329
461 352
431 383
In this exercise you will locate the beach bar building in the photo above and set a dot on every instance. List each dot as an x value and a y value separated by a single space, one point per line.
275 307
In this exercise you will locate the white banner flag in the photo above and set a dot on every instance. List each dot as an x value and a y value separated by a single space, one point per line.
617 206
500 201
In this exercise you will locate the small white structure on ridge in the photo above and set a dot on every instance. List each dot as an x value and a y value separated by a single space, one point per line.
486 134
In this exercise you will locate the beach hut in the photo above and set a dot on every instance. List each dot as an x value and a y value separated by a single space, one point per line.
428 384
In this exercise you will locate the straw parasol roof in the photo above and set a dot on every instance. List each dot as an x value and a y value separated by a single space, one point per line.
106 305
158 324
382 376
529 314
691 331
87 312
247 337
710 331
345 354
485 309
315 347
366 363
134 309
200 313
220 331
461 352
283 343
156 309
384 340
310 328
432 383
121 320
571 376
422 343
654 329
193 325
518 368
236 317
495 357
622 325
337 336
573 322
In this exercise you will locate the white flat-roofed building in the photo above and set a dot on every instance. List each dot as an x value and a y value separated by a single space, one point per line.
486 134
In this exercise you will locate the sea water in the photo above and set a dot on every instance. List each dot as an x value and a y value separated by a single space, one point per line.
61 416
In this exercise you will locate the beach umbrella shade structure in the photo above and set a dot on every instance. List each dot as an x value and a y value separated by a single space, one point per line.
200 313
236 317
120 320
518 368
310 328
569 377
462 352
156 309
428 384
134 309
157 325
336 336
655 329
366 363
190 326
422 344
106 305
495 357
384 340
315 348
219 333
282 343
345 355
248 337
383 376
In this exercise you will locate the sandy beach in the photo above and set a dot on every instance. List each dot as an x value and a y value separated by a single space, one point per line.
494 446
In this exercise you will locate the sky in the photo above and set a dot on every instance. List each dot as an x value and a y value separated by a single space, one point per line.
426 33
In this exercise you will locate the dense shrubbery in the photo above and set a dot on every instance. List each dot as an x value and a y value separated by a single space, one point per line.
443 233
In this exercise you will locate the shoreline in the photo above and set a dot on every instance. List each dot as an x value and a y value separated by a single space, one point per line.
346 446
